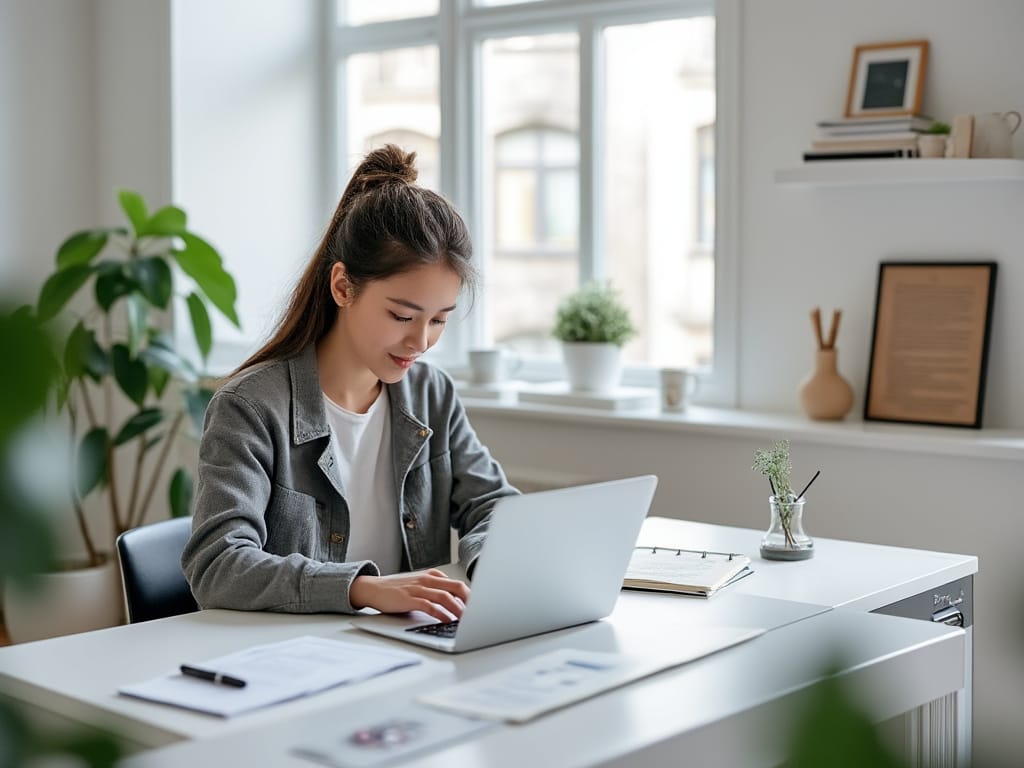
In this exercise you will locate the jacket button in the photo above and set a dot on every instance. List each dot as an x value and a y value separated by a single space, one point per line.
423 433
337 538
410 523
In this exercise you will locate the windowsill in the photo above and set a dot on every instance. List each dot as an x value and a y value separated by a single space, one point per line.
721 422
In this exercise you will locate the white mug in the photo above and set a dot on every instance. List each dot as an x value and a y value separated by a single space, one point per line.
489 365
993 134
677 386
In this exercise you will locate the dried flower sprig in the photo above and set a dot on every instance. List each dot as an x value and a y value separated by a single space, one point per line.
776 466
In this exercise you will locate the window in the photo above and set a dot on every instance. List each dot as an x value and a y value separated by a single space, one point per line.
530 192
578 138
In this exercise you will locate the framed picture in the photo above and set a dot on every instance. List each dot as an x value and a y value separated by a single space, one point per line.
887 79
929 348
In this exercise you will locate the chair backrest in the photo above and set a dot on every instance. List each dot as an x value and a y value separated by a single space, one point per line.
150 559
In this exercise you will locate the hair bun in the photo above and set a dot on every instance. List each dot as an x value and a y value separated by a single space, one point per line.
389 164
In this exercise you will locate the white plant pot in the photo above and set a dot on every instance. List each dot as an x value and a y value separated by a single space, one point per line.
592 366
65 602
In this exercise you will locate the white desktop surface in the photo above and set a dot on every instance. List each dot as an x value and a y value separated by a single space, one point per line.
841 574
77 676
731 708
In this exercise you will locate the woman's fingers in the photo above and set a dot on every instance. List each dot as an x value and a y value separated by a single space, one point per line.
429 591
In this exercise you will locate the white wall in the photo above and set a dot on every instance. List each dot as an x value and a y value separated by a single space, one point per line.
47 134
802 247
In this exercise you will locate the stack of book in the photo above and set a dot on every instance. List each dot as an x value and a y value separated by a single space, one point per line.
867 138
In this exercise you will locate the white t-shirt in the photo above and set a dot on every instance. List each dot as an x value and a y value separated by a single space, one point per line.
362 448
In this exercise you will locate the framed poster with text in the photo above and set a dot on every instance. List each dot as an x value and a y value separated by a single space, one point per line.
929 347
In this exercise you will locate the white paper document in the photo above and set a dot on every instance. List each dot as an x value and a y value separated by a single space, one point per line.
379 741
554 680
272 673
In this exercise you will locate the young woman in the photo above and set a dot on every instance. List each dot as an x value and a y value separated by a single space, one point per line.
333 464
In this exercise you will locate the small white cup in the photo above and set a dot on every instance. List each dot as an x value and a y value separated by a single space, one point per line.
489 365
677 387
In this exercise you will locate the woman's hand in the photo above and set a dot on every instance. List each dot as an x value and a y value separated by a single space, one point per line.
429 591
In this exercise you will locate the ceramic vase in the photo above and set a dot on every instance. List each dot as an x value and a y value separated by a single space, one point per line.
825 395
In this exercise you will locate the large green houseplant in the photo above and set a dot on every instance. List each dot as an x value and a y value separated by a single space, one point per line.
125 386
593 323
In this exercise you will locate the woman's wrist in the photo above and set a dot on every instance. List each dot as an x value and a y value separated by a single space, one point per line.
360 592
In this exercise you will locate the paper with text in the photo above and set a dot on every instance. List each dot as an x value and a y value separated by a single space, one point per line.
274 672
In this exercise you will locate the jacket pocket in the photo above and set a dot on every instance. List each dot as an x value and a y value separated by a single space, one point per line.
293 523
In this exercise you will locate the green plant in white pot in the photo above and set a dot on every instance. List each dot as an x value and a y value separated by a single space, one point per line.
593 324
125 388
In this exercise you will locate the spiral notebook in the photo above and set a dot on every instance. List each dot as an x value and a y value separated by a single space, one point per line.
695 572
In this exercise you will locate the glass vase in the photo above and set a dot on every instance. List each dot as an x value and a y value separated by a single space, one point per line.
785 539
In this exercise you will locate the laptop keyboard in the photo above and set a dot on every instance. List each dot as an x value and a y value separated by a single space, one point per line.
445 629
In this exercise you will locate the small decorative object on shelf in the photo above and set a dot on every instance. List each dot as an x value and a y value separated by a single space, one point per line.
785 539
825 395
932 143
593 324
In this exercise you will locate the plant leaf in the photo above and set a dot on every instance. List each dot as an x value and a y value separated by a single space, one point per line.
200 261
154 278
168 221
138 314
25 348
59 288
92 460
169 360
158 378
196 401
200 324
81 247
111 284
181 493
145 419
134 208
131 374
83 355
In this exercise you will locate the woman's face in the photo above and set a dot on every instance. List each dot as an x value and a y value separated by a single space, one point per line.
392 322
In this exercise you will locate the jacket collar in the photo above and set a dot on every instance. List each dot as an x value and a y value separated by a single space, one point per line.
309 416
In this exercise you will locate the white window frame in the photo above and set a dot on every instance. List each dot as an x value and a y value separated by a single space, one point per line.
459 30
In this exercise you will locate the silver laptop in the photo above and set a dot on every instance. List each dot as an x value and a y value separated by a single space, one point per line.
551 560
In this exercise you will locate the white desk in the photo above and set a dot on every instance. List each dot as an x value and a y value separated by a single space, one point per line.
842 574
722 702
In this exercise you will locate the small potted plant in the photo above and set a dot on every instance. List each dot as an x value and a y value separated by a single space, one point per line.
785 539
126 390
932 143
592 325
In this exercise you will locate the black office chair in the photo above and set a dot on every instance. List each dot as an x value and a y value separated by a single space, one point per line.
150 558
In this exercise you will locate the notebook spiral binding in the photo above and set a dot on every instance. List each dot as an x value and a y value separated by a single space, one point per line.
702 552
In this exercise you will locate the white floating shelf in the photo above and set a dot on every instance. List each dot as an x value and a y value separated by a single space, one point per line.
909 171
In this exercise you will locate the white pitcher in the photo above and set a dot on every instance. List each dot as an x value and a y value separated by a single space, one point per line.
993 133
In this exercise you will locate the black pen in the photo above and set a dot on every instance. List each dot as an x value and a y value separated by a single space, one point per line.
213 677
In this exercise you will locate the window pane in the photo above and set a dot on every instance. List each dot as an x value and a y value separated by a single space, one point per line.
531 121
659 185
393 98
368 11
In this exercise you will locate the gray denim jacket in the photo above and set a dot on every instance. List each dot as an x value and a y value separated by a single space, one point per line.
271 524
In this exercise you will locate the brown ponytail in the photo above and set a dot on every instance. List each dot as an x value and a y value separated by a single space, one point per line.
384 225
